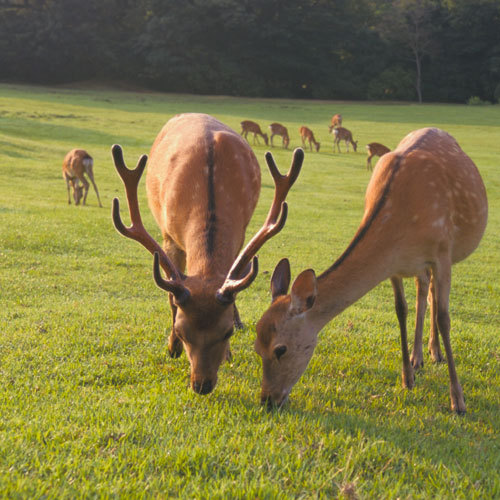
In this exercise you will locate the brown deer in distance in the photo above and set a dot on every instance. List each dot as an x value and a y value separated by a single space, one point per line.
203 183
342 134
375 149
336 122
425 209
254 128
278 129
78 163
307 134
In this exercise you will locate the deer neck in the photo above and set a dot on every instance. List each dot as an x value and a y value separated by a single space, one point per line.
364 264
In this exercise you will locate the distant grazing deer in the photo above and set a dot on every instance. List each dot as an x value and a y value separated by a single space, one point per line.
336 122
203 183
77 163
278 129
425 209
307 134
249 126
375 149
342 134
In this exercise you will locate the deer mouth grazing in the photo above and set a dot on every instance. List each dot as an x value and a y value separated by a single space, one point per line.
274 403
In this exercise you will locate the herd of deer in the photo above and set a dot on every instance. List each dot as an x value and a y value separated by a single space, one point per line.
306 134
425 209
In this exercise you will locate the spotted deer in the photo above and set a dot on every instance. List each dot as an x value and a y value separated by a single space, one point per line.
375 149
342 134
307 134
280 130
336 122
250 126
203 183
425 209
78 163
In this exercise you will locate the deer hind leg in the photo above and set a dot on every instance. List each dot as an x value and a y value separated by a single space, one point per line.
408 379
422 281
442 281
178 257
434 347
369 162
90 173
66 178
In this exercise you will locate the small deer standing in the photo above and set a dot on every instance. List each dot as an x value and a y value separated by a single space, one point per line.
281 130
375 149
342 134
307 134
76 164
254 128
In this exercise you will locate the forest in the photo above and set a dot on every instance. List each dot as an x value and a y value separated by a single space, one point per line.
411 50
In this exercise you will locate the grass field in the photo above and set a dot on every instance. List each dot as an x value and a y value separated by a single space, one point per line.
92 407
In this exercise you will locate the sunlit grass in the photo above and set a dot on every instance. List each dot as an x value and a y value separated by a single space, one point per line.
91 405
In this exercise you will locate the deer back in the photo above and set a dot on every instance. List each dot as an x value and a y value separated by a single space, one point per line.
203 184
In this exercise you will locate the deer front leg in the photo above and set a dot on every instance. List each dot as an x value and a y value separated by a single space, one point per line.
434 348
178 257
86 189
408 379
175 346
422 282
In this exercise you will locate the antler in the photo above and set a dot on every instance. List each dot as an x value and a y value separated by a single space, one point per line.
137 230
274 223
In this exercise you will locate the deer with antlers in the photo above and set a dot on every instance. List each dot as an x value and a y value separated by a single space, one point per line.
254 128
306 134
375 149
342 134
203 183
336 122
78 163
280 130
425 209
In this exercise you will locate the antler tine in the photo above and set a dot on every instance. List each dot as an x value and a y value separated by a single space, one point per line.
137 230
175 287
283 183
227 293
274 223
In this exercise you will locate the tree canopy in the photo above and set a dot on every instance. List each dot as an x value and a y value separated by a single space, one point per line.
423 50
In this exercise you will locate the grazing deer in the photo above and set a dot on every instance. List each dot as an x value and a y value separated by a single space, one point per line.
278 129
425 209
375 149
77 163
203 183
336 122
307 133
254 128
342 134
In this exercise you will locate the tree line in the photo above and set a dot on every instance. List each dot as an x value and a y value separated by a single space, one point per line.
421 50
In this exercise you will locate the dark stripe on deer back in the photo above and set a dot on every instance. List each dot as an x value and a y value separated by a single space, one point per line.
378 207
211 215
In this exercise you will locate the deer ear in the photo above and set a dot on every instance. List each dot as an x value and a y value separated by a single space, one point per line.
304 291
280 280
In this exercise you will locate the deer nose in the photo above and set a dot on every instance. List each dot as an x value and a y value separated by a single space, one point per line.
204 387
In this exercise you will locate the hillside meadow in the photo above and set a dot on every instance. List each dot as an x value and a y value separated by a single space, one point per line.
91 406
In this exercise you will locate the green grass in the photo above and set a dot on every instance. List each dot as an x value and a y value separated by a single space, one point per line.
91 405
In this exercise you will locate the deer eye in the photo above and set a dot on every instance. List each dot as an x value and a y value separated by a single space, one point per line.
229 334
279 351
